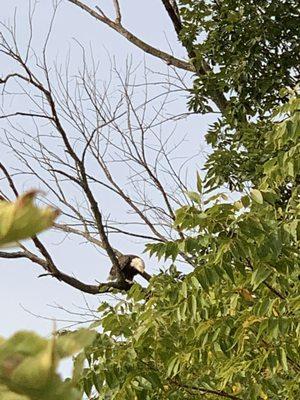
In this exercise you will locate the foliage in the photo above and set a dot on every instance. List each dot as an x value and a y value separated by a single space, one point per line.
247 153
252 50
28 365
22 219
231 327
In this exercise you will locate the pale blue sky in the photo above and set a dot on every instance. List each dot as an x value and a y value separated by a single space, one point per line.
19 286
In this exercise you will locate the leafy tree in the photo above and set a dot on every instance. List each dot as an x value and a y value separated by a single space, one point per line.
252 49
230 328
251 52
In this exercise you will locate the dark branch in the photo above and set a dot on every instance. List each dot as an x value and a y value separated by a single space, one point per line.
173 14
219 393
53 271
9 179
270 287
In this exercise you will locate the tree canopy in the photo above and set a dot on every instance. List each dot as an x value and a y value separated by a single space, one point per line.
231 327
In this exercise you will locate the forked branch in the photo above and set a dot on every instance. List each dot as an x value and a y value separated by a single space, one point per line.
147 48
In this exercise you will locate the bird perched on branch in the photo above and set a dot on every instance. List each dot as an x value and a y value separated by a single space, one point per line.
130 265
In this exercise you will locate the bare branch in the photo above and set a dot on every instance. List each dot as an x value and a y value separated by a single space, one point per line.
217 96
87 134
118 11
68 229
70 280
24 114
147 48
9 179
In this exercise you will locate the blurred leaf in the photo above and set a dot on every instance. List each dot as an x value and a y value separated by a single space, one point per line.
22 219
72 342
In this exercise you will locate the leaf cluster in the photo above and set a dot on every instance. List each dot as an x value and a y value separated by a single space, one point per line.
252 48
28 365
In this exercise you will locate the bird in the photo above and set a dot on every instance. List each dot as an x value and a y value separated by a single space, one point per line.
130 265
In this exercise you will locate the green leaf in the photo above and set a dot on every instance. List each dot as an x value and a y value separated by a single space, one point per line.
245 201
199 183
257 196
28 370
195 197
195 282
184 290
283 358
260 275
78 365
171 366
194 306
229 271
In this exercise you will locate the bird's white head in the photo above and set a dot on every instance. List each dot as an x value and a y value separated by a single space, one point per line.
138 264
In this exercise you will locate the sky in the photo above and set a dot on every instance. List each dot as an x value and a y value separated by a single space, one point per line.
29 302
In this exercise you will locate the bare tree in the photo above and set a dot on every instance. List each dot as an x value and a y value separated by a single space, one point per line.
84 140
172 10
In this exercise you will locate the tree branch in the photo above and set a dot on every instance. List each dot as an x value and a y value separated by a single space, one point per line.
53 271
147 48
173 12
118 11
86 235
201 70
270 287
219 393
78 162
25 114
9 179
